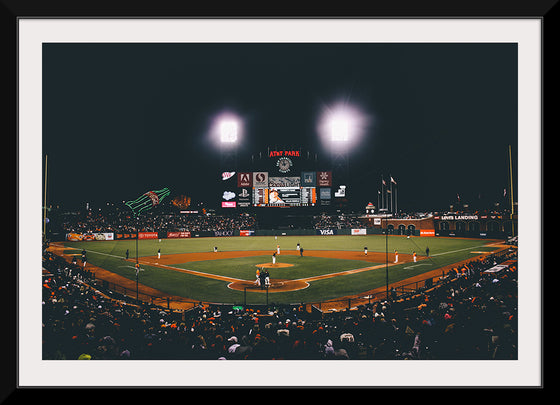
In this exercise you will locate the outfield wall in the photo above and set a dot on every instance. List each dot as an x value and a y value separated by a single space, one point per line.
74 236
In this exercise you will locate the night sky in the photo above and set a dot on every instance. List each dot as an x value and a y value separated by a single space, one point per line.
121 119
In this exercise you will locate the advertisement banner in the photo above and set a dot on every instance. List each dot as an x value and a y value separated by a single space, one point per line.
229 204
324 179
244 198
260 179
74 236
359 231
227 175
180 234
223 233
147 235
308 179
326 231
341 192
126 235
427 232
248 232
244 180
284 181
228 195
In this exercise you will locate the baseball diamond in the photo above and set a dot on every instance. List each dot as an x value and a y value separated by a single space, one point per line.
228 275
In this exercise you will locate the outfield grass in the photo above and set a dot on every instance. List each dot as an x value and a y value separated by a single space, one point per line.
443 251
375 243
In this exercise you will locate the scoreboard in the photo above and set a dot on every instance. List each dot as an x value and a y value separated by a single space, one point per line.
284 197
279 184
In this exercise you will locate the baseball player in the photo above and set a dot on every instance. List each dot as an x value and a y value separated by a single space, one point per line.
396 256
262 278
365 250
274 258
159 253
258 280
278 249
414 256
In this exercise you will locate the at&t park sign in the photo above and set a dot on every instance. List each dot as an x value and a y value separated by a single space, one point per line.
284 153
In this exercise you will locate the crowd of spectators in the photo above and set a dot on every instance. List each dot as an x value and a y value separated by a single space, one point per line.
470 316
123 221
341 221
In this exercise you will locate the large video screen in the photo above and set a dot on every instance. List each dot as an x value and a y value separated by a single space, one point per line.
287 191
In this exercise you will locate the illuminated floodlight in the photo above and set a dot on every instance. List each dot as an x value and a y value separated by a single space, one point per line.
339 129
342 126
228 131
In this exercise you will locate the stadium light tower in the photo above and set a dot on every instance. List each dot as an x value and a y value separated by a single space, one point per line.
340 136
340 129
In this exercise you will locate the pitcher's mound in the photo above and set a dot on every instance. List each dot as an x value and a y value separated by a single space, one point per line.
273 266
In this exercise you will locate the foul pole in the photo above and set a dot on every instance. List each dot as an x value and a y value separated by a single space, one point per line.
45 203
511 193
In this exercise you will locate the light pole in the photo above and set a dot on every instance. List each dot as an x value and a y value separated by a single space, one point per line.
386 260
228 129
137 265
